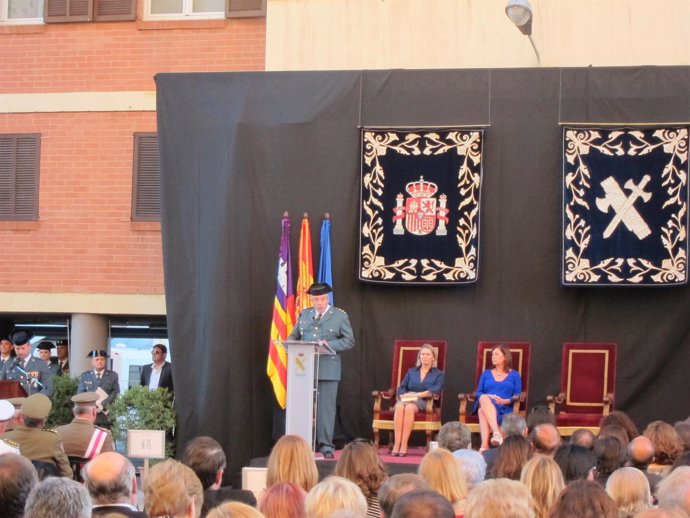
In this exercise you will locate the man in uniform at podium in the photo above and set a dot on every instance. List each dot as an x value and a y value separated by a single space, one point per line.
325 323
31 372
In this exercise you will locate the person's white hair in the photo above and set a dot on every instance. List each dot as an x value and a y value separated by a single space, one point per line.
673 491
333 494
58 497
472 465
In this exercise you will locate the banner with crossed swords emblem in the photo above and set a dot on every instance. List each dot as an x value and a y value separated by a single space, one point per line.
625 196
419 219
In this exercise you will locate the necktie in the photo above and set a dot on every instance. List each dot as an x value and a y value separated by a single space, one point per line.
98 375
318 317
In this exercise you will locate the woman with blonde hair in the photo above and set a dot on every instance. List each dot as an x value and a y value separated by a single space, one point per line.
629 488
292 460
283 500
421 383
335 494
544 479
234 510
441 470
360 463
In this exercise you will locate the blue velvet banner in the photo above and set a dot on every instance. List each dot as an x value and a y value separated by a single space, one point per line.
419 218
625 195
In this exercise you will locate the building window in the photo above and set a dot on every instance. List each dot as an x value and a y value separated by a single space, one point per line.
19 168
21 11
146 191
162 9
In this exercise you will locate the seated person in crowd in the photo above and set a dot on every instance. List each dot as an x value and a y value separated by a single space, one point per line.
497 387
422 504
58 497
112 483
17 478
472 465
172 489
207 459
584 499
545 439
641 454
420 384
512 425
583 437
453 436
37 444
500 498
82 438
576 462
334 494
667 446
361 464
396 486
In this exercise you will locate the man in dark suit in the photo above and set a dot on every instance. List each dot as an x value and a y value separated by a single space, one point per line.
325 323
31 372
159 373
112 483
100 378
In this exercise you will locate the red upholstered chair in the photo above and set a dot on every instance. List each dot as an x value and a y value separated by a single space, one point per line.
520 353
404 358
588 383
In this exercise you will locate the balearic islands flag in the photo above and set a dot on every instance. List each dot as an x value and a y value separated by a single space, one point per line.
283 317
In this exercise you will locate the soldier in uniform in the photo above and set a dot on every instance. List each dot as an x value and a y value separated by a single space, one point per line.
325 323
44 349
35 443
6 351
100 378
63 355
31 372
81 438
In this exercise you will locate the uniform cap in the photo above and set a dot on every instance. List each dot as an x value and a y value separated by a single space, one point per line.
85 398
319 288
6 410
98 353
45 346
21 336
36 406
60 343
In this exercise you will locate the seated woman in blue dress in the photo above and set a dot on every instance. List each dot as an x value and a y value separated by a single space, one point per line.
420 383
496 389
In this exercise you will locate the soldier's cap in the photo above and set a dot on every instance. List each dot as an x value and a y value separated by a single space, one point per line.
16 402
98 353
6 410
319 288
85 398
21 336
45 346
36 406
60 343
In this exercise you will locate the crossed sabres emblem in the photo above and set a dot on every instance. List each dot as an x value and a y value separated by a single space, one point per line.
624 206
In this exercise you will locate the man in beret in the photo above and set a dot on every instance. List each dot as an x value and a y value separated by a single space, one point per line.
31 372
63 356
44 349
81 438
35 443
103 382
330 325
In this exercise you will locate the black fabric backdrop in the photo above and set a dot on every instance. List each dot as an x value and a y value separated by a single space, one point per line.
238 149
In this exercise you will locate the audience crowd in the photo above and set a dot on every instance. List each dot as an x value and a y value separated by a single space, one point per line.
533 472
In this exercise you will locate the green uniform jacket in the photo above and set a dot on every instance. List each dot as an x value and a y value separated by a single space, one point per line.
77 435
43 445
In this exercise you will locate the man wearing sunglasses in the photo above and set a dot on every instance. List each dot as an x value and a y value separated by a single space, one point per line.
159 373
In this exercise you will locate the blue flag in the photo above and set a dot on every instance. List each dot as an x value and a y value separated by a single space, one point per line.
325 271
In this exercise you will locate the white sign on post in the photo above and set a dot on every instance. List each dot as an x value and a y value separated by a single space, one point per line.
146 444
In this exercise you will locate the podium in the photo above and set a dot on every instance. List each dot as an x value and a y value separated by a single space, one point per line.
301 402
10 389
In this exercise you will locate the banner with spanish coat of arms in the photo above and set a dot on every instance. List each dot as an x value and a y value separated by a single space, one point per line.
625 200
419 220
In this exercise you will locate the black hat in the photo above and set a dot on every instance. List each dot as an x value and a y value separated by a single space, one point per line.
60 343
45 346
21 336
319 288
98 353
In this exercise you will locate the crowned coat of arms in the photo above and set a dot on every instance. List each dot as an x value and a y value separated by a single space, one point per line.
420 212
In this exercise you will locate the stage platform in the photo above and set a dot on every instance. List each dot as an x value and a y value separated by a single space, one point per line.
396 465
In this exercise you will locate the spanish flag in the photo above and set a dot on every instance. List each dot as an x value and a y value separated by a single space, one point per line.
283 317
306 267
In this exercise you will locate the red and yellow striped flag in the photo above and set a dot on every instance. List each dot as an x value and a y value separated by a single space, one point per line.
306 267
